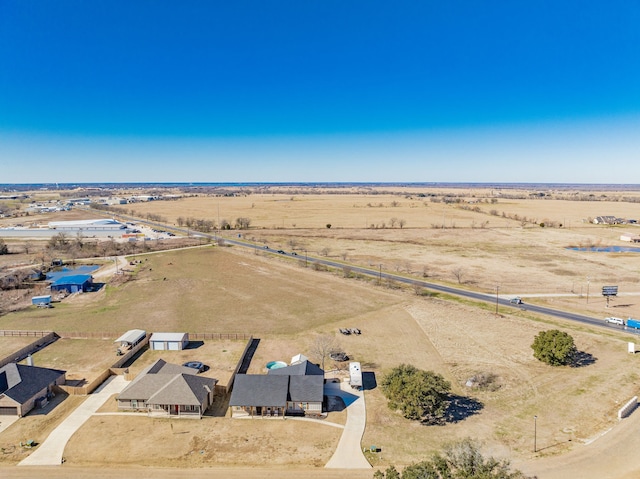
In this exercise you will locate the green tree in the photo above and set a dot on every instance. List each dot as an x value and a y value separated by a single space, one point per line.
554 347
460 460
419 395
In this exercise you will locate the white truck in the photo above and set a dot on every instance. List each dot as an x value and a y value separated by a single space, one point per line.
355 375
614 320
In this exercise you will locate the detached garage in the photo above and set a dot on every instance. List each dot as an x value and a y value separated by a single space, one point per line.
169 341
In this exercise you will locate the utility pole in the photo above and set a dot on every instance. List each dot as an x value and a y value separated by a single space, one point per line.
380 275
588 281
535 433
497 290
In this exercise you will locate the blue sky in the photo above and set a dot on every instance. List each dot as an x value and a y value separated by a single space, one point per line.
494 91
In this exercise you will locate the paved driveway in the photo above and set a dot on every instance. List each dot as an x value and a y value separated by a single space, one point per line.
348 454
49 453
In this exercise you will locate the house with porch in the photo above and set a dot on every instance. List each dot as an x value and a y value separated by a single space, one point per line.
165 389
293 390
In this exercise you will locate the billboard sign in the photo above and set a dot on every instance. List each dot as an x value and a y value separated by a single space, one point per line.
609 290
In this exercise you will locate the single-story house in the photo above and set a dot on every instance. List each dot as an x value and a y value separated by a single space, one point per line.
24 387
168 390
169 341
605 220
296 389
73 284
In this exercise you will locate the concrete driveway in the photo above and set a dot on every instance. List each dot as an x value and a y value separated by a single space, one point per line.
49 453
348 454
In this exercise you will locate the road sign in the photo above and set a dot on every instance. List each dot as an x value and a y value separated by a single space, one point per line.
609 290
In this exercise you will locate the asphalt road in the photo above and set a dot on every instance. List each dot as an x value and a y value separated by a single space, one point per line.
381 275
487 298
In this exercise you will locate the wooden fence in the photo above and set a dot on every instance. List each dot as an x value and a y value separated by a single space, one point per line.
19 355
87 388
229 386
22 334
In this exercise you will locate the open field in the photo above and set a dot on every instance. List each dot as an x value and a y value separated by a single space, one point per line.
217 289
439 240
207 290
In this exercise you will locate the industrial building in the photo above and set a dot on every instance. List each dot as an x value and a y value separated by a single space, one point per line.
87 225
73 284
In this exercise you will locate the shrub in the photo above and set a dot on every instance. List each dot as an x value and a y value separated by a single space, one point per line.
554 347
419 395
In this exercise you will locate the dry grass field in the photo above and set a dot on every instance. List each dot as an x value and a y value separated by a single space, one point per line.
214 289
10 344
83 359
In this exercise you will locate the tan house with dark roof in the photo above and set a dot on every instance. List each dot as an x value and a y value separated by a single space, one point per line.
24 387
165 389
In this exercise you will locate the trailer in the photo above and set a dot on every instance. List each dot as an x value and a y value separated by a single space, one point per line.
633 323
355 375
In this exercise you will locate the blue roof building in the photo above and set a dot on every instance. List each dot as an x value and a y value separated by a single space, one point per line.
73 284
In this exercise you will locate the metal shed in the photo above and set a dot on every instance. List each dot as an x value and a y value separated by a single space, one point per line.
73 284
169 341
131 337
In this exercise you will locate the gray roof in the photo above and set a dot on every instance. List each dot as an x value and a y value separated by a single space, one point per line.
306 388
169 337
166 383
305 368
184 389
259 390
21 382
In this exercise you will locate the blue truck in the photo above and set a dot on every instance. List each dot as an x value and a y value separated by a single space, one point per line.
633 323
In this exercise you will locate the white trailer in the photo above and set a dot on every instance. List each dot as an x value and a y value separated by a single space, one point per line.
355 375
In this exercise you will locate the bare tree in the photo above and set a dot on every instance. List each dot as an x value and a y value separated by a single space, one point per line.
322 347
393 222
402 222
325 251
344 255
459 273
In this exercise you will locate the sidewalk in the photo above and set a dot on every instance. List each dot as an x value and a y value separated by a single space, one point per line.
50 452
348 454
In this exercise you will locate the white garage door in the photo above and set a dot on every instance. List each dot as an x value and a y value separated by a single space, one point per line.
173 345
157 345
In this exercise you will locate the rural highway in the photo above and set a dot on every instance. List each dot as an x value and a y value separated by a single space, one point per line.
381 275
488 298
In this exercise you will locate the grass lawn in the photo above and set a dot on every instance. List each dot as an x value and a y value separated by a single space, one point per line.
11 344
83 359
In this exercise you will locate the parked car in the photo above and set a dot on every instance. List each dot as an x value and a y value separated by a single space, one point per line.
195 365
